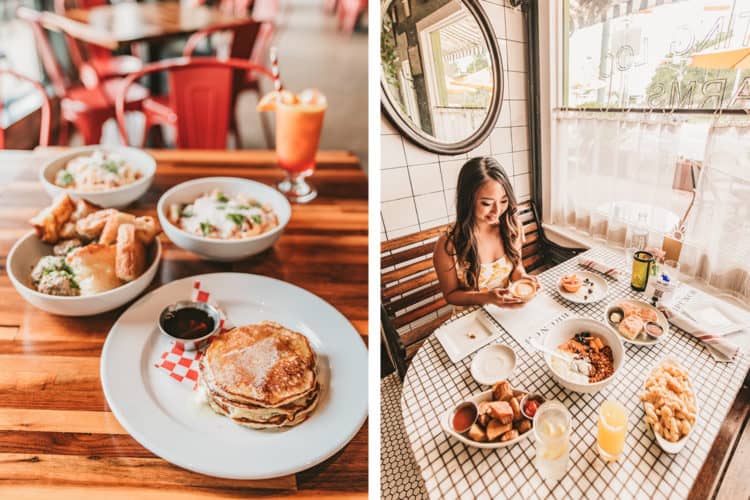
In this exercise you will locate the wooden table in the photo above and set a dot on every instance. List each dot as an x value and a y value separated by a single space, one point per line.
57 434
118 26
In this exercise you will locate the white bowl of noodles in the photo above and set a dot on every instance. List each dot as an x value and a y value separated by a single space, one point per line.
107 176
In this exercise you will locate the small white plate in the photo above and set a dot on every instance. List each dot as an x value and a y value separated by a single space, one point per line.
582 296
445 421
642 338
165 417
466 334
493 363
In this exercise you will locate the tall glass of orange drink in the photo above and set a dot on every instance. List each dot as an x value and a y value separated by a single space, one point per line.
299 121
612 430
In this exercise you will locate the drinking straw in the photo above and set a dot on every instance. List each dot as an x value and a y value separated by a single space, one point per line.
275 70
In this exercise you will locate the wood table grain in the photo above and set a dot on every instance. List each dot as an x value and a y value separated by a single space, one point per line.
58 437
118 26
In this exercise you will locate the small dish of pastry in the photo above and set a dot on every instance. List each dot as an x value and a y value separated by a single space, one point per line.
82 260
637 322
582 287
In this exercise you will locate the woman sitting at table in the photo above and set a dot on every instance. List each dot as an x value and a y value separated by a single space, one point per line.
481 253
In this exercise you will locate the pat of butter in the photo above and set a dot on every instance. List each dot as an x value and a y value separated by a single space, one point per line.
200 397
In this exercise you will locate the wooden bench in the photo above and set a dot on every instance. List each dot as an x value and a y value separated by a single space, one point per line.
412 305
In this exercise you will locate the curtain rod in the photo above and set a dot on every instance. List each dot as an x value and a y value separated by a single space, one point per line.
686 111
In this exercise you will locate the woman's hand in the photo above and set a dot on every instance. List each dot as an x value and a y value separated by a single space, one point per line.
502 297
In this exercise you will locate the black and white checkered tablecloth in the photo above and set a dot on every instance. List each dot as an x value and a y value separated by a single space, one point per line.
451 469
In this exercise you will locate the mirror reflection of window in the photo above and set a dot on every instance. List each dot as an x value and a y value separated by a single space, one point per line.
437 67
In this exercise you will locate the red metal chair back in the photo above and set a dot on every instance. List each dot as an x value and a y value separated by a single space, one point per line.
244 35
44 130
250 40
200 95
74 49
49 60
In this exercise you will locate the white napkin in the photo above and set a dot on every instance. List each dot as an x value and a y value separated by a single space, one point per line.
720 348
595 265
690 308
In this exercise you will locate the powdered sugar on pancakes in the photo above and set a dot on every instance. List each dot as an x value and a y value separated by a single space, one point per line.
253 363
264 364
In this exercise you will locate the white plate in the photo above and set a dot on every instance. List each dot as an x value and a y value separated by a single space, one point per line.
164 416
466 334
642 339
445 421
493 363
669 446
599 286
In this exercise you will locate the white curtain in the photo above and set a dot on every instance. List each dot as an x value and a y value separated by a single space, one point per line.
717 240
611 171
609 168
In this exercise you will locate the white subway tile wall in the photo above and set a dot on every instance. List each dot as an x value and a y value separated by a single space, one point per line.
418 187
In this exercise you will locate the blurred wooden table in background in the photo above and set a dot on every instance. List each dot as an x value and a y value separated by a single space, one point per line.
58 438
117 26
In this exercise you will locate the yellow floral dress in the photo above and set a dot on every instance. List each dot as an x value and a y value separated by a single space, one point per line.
491 275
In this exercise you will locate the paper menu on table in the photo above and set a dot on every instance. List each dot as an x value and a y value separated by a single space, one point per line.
533 318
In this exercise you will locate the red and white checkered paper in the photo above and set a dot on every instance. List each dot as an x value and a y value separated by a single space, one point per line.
180 364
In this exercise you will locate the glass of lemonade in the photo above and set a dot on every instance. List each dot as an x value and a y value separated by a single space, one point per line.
612 429
552 435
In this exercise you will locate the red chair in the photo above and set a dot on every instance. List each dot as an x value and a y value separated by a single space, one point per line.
85 108
349 12
44 131
200 96
250 40
329 6
104 64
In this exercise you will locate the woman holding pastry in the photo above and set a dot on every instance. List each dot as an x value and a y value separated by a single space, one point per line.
480 255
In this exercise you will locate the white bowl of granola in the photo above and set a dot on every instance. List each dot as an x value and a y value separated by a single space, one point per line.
108 176
223 218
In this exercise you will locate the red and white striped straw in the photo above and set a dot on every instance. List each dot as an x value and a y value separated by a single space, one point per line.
275 70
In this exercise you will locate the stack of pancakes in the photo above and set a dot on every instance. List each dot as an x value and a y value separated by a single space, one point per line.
262 376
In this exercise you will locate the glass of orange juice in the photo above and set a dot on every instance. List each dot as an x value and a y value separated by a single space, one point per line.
299 121
612 429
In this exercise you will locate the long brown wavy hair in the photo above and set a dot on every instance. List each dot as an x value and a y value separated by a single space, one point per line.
473 175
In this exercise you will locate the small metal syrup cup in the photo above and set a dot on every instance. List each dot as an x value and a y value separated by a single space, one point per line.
532 396
465 404
190 344
649 334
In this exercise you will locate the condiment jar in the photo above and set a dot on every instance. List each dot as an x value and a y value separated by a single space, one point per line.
642 262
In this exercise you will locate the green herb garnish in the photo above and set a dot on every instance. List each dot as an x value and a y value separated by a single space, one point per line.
257 219
221 198
66 178
206 228
236 218
111 166
243 207
186 212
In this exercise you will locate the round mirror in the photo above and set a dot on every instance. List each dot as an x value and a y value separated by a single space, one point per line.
441 83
